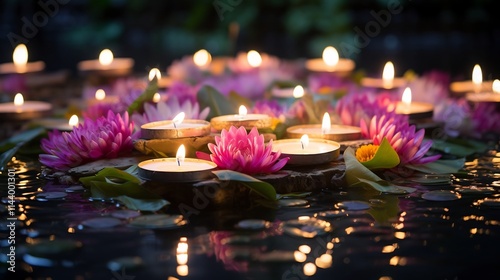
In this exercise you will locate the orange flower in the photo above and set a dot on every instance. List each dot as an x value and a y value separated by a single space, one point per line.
366 152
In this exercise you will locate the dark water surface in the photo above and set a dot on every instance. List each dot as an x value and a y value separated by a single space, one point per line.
409 236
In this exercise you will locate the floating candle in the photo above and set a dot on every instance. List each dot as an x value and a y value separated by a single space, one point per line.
20 62
58 124
492 96
178 169
326 130
202 59
330 62
100 96
307 151
388 80
476 84
241 119
288 92
107 65
178 127
414 110
24 110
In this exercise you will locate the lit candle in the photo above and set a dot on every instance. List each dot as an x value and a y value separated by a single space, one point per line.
307 151
178 169
415 110
325 130
178 127
107 65
492 96
388 80
330 62
100 96
254 59
24 110
241 119
59 124
202 59
288 92
20 62
476 84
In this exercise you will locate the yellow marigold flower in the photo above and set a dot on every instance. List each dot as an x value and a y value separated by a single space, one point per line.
366 152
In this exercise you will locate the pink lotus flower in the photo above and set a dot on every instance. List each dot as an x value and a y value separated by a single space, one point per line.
105 137
236 150
167 110
485 117
455 114
407 142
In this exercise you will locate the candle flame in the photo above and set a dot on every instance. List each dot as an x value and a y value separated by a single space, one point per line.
106 57
330 56
326 123
156 97
477 78
298 91
20 55
406 98
496 86
154 73
18 99
177 120
242 111
180 156
304 141
254 58
100 94
388 74
202 58
73 120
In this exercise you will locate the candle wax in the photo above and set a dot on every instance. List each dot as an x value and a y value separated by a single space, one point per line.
413 108
249 117
319 65
27 106
11 68
335 129
179 126
295 147
484 97
170 165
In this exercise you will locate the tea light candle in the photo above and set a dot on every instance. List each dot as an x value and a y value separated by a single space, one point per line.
490 97
241 119
475 85
414 110
101 97
20 62
330 62
178 169
107 65
325 130
288 92
307 151
388 80
59 124
202 59
178 127
24 110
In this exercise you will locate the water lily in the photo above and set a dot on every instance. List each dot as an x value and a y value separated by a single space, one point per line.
408 143
237 150
106 137
167 110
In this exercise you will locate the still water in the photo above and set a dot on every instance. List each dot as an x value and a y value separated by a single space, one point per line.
448 229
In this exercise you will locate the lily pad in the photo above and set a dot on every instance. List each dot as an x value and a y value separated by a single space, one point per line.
159 221
441 195
262 188
101 222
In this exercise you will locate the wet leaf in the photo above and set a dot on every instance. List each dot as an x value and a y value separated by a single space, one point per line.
442 166
262 188
357 174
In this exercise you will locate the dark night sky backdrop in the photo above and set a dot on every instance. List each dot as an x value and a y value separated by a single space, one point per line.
426 35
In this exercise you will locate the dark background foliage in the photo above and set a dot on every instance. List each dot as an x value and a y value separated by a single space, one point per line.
447 35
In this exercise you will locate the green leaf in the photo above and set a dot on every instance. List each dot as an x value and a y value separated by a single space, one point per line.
442 166
385 157
262 188
219 105
238 100
294 194
110 174
146 96
459 147
387 212
142 204
358 175
12 145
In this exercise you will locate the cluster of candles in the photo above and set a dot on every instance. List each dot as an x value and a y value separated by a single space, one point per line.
306 144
